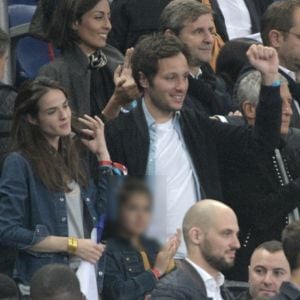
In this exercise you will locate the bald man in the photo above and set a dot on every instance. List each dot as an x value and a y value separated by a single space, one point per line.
210 230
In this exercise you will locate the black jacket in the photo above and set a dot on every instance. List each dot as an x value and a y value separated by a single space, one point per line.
125 276
262 202
288 291
209 143
132 19
220 21
184 283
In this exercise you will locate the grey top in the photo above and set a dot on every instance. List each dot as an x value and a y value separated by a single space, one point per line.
75 217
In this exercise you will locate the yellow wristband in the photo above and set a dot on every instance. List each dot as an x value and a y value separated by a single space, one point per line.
72 245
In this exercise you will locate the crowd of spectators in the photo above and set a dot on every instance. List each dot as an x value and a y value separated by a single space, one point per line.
157 156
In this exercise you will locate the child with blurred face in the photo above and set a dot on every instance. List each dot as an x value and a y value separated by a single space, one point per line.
134 263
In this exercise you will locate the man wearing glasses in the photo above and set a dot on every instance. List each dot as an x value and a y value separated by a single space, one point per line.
281 30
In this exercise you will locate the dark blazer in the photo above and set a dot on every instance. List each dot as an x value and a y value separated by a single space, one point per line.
220 20
72 71
209 143
184 283
288 291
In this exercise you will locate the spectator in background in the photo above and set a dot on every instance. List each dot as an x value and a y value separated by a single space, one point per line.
232 59
280 29
48 202
88 67
192 23
210 231
291 247
180 150
55 282
257 190
268 269
7 100
8 288
133 262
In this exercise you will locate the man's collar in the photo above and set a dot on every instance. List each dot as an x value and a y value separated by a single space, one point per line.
288 72
206 276
197 75
150 120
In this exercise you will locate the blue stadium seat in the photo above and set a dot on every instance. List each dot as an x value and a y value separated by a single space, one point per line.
20 14
31 55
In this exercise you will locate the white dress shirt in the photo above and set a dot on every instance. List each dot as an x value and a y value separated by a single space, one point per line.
237 18
213 286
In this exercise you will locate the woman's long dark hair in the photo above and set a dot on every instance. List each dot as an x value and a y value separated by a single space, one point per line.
61 33
55 168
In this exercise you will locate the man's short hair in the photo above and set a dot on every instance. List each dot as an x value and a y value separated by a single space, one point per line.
8 288
150 50
279 16
178 12
4 42
270 246
291 244
55 281
249 87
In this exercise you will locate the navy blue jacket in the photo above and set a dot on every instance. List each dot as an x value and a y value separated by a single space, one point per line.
125 276
29 212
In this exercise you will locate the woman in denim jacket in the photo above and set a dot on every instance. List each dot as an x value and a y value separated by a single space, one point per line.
48 203
133 262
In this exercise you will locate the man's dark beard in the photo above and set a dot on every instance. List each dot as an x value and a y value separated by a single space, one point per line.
218 263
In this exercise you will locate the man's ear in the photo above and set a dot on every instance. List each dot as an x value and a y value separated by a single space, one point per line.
195 235
144 82
169 32
31 120
249 111
275 38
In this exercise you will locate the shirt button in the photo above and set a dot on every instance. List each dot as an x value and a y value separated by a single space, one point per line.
100 273
130 270
127 258
94 218
61 199
88 199
63 219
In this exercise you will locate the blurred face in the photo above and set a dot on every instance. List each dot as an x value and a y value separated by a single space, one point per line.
289 45
168 89
221 242
267 271
3 61
198 36
135 215
54 116
286 108
94 26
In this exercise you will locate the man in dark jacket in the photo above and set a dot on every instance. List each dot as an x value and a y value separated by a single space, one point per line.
210 231
280 28
192 22
291 248
268 269
180 149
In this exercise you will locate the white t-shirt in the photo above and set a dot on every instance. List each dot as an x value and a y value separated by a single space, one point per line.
175 190
237 18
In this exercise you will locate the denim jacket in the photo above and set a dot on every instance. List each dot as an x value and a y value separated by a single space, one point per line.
125 275
29 212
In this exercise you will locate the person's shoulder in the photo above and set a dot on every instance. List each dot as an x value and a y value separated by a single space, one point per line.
16 161
17 157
